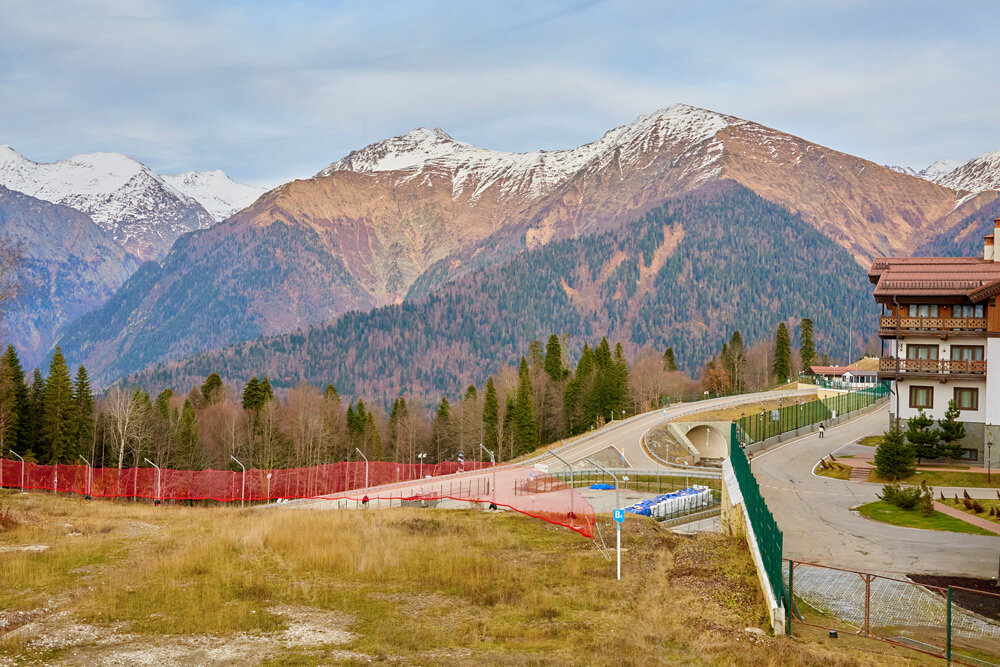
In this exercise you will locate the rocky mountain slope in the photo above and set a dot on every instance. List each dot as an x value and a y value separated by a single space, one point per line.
934 172
70 266
404 217
685 274
141 212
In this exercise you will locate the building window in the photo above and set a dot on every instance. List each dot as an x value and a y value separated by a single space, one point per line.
970 455
966 352
969 311
922 352
922 397
923 310
967 398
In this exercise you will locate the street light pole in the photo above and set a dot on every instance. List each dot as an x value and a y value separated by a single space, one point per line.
493 486
989 449
366 465
243 486
617 503
572 487
22 468
89 470
157 476
420 457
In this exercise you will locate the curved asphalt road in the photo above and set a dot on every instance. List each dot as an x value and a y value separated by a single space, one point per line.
814 513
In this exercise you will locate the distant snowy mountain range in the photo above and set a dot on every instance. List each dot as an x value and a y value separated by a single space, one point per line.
976 175
143 211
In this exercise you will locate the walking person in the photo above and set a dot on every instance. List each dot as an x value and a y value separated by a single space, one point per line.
822 430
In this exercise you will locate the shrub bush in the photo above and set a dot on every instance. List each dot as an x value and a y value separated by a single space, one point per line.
903 498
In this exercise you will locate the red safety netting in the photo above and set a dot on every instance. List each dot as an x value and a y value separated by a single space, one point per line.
523 489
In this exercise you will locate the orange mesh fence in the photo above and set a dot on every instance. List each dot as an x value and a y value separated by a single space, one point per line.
525 490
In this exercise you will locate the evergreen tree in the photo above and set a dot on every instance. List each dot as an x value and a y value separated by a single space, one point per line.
19 425
83 403
620 381
807 348
579 417
252 395
737 363
525 428
57 428
669 363
8 408
951 431
189 452
923 438
33 412
491 416
782 369
894 457
266 393
554 360
161 406
330 394
470 393
441 430
211 391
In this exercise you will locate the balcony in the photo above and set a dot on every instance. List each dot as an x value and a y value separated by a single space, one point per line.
931 325
941 368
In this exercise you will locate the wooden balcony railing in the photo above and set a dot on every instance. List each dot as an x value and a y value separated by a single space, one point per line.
888 322
943 366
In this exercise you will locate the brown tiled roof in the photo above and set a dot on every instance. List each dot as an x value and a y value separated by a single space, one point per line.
970 277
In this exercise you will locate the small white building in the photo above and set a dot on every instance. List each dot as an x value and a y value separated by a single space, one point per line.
940 331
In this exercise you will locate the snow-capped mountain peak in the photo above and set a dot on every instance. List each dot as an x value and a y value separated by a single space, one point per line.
215 191
123 196
939 169
976 175
540 170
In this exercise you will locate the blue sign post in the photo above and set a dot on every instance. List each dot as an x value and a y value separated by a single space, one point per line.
619 517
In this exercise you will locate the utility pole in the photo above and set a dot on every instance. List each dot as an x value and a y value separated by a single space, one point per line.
243 487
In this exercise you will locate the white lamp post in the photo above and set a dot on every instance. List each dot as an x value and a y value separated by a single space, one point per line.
421 457
493 489
366 465
572 487
157 476
22 469
89 470
243 488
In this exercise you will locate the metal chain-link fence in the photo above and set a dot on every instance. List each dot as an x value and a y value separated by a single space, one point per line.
952 622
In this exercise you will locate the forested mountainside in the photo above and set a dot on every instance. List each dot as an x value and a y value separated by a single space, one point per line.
686 275
69 265
404 217
964 238
206 299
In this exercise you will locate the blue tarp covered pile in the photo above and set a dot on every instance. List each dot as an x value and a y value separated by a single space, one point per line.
660 507
603 487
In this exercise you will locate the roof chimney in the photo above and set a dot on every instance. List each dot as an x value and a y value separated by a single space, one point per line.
988 254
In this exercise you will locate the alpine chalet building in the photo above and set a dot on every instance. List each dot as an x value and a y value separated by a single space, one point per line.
940 331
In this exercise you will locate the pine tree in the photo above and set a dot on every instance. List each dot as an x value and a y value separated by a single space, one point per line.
211 391
189 453
161 406
441 430
491 416
951 432
18 429
252 395
923 438
83 409
894 457
554 360
737 366
576 397
669 363
782 369
807 348
8 408
266 393
330 394
56 432
525 427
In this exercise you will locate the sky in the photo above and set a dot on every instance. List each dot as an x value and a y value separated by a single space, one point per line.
270 91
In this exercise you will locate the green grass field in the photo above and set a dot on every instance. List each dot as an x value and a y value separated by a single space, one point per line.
986 503
936 478
887 513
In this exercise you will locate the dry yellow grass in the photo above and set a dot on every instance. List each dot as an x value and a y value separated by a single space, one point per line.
733 413
420 586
